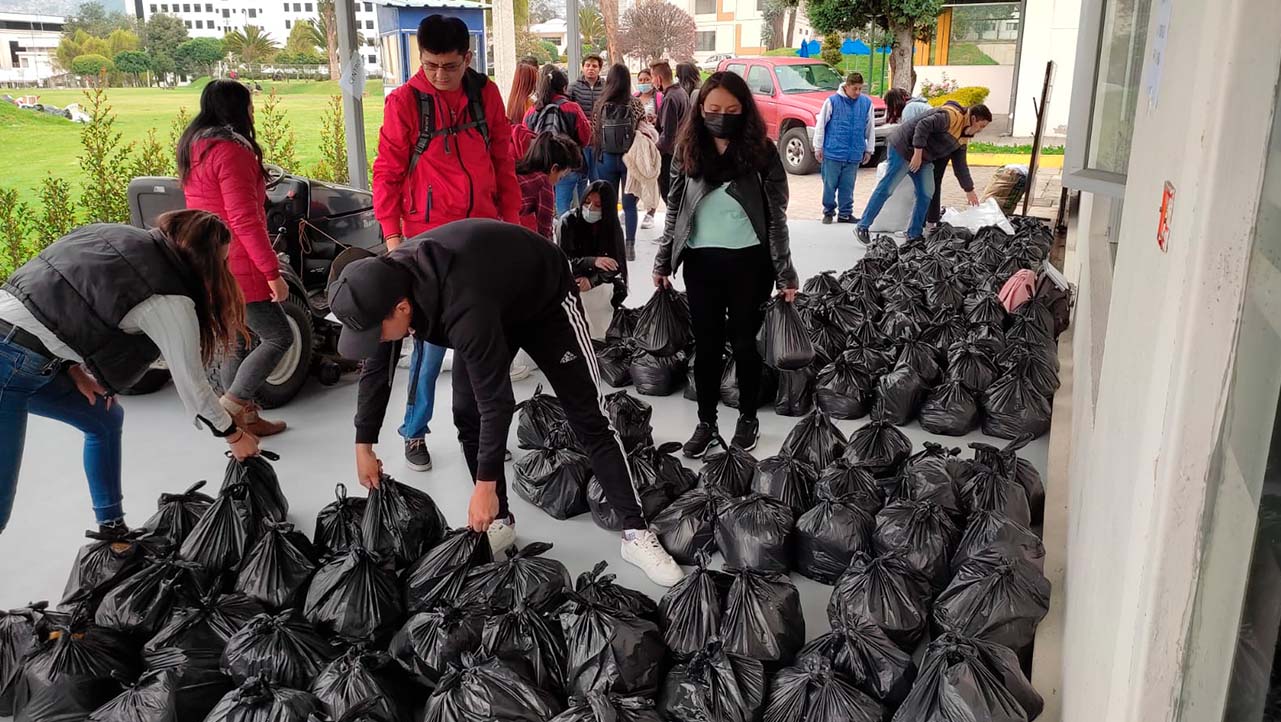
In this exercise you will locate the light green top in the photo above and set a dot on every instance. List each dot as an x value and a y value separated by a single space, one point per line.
720 222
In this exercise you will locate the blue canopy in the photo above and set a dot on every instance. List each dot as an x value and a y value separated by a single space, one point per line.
814 48
803 51
883 50
855 47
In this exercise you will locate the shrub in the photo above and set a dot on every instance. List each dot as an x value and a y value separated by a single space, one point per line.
967 96
831 52
57 215
277 135
931 90
152 159
15 229
176 128
333 145
105 162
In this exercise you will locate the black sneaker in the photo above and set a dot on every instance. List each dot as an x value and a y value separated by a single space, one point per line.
827 220
704 438
746 433
417 457
916 239
863 236
846 219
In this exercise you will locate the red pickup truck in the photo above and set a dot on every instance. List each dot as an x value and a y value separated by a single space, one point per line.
790 93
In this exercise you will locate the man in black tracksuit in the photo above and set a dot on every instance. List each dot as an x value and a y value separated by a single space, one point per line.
486 289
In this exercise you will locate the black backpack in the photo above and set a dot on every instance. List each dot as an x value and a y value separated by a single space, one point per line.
617 129
554 118
474 86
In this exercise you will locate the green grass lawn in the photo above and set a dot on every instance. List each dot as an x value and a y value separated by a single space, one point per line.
36 144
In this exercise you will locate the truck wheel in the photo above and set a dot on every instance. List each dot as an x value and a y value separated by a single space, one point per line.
152 381
287 379
798 157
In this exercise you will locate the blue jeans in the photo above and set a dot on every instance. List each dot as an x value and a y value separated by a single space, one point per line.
896 168
572 186
613 171
424 368
838 183
30 385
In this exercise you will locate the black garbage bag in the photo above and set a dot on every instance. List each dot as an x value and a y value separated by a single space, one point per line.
266 500
658 375
783 340
812 691
361 674
822 284
729 471
958 681
201 631
829 535
554 478
658 478
985 308
923 535
1029 328
355 596
110 558
950 410
815 439
197 688
283 649
339 522
729 384
763 618
988 490
927 476
537 416
530 643
1008 463
631 419
600 588
224 534
614 361
623 324
795 395
277 568
401 522
843 389
994 531
788 479
72 670
998 661
177 514
18 634
663 326
880 445
846 314
140 604
153 697
689 523
524 576
827 338
1036 370
945 293
899 395
887 591
433 641
441 574
921 358
598 707
995 597
260 700
690 611
484 688
715 686
609 650
853 483
944 331
755 532
859 650
1012 408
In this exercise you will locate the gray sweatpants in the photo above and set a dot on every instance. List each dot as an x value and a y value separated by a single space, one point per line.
245 370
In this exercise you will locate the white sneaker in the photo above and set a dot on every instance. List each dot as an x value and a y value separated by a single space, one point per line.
647 221
646 552
520 372
502 536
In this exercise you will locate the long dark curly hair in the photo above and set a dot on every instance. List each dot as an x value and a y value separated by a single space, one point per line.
695 149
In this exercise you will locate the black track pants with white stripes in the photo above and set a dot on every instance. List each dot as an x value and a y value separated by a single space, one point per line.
561 347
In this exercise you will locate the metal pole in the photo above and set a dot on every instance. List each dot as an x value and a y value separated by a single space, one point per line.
352 83
573 40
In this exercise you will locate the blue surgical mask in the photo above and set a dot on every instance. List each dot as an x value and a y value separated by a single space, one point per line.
644 87
592 215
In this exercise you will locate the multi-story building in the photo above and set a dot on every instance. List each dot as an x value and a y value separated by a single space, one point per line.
27 45
734 27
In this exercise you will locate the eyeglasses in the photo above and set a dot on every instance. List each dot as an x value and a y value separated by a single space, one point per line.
447 67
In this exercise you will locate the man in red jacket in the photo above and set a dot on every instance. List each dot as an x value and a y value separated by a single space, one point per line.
444 154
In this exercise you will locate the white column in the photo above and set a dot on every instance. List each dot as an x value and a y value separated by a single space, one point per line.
353 85
504 49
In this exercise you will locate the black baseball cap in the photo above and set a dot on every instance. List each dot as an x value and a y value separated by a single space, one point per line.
364 293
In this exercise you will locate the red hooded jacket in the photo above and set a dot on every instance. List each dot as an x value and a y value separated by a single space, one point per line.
457 177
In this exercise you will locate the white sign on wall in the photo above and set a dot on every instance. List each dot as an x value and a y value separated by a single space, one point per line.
351 77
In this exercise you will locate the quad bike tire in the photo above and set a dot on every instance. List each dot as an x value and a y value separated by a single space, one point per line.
290 375
151 382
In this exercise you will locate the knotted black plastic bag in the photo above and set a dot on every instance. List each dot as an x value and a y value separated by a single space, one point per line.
872 662
282 648
523 576
971 365
921 358
887 591
795 395
783 340
108 559
989 490
141 604
153 697
658 375
658 479
224 534
899 395
853 483
614 361
995 661
927 476
177 514
763 618
531 643
441 574
1008 462
950 410
598 707
260 700
401 522
610 650
843 389
355 596
815 439
554 478
729 471
201 630
1012 408
17 636
361 674
880 445
600 588
278 566
985 308
787 478
812 691
829 535
993 531
484 688
755 532
433 641
822 284
730 395
338 523
265 499
197 687
690 611
715 686
630 417
827 338
72 670
663 326
688 524
623 324
957 682
995 597
922 533
536 417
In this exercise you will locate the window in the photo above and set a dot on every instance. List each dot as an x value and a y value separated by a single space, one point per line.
705 39
253 12
371 42
187 23
373 59
369 7
164 8
306 6
704 7
186 8
981 35
153 9
226 13
1116 84
288 24
209 8
200 24
759 80
807 78
737 69
760 4
369 24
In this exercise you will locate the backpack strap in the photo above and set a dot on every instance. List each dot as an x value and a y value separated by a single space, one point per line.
473 85
426 127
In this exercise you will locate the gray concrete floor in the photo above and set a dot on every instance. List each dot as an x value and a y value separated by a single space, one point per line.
163 453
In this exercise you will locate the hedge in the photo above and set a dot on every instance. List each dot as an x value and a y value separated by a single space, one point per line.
967 96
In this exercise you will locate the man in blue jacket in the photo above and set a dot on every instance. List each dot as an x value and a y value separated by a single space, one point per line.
844 137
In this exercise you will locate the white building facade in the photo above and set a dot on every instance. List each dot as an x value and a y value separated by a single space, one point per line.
734 27
27 47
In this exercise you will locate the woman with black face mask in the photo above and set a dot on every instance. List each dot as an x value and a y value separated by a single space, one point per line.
592 237
727 222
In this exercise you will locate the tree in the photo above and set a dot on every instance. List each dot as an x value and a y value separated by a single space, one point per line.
93 18
655 29
91 67
162 65
905 20
780 23
327 24
132 62
68 50
831 52
201 54
541 11
520 14
251 45
609 14
122 40
162 36
304 38
591 26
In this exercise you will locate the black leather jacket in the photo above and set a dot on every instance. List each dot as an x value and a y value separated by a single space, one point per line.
763 196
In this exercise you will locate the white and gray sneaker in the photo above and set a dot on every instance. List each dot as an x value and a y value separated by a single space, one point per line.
644 550
502 535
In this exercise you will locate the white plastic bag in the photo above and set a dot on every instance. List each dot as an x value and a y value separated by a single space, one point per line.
599 310
897 211
987 213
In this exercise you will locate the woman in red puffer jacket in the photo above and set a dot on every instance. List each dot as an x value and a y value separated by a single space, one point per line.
220 166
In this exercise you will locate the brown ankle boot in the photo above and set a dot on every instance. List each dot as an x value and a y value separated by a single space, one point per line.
245 414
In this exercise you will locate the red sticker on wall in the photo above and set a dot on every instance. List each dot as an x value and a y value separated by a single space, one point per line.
1163 224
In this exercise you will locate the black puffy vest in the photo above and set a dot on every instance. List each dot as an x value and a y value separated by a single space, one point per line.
83 284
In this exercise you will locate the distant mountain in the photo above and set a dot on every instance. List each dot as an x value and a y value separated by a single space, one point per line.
52 7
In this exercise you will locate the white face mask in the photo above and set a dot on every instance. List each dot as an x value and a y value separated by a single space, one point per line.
592 215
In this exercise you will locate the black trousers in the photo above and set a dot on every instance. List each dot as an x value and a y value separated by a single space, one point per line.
726 288
665 175
559 344
936 211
